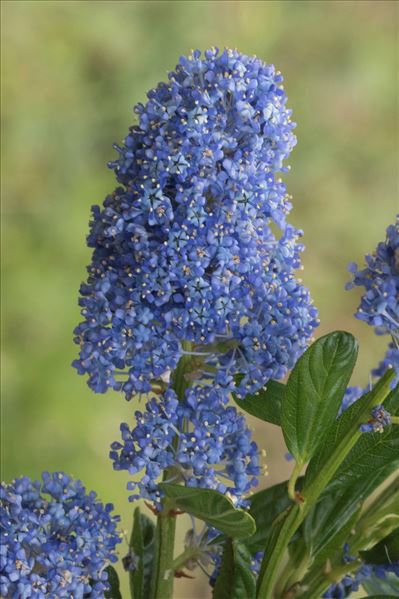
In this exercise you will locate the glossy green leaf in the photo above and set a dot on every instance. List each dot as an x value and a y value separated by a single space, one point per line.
328 524
387 587
113 581
142 547
265 507
265 404
372 451
211 507
314 392
312 554
324 532
281 533
379 519
235 580
384 552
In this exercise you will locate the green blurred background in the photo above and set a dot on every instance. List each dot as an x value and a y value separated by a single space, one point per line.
71 74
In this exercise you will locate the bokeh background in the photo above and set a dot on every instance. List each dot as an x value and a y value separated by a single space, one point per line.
71 74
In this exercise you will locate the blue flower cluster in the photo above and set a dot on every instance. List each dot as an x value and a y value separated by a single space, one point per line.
380 418
391 360
350 583
379 306
56 539
186 249
200 441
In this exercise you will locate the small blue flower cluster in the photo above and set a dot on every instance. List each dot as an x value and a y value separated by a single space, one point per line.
391 360
56 539
187 249
379 306
200 441
380 418
350 583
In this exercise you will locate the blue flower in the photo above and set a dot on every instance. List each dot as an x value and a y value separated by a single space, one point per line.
380 418
350 583
379 305
352 394
200 442
194 245
56 539
391 360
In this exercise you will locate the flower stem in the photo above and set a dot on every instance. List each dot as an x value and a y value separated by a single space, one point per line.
294 570
293 479
163 571
179 379
278 545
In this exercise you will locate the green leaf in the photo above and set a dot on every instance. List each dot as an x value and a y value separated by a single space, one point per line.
113 580
384 552
265 404
376 586
371 452
379 597
211 507
314 392
235 580
378 520
265 506
324 531
142 546
282 532
329 523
